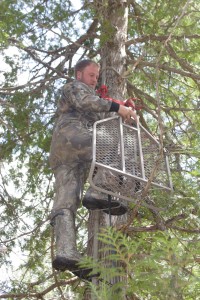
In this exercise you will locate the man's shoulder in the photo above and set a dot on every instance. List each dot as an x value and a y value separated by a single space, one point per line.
77 86
68 84
73 84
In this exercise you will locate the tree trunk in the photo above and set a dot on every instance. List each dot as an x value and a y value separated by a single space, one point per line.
113 62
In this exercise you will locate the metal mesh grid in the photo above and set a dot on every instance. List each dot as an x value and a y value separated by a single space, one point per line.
124 158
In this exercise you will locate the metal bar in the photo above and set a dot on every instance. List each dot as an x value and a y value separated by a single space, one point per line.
128 175
150 136
122 145
140 151
93 154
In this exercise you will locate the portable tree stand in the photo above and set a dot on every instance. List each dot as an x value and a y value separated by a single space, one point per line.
124 157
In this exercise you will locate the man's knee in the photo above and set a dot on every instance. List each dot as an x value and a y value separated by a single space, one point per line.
59 212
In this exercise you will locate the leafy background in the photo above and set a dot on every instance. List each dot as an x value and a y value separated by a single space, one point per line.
40 42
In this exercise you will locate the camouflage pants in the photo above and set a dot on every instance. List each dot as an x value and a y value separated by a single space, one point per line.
70 159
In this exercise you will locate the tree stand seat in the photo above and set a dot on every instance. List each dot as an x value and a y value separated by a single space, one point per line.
126 158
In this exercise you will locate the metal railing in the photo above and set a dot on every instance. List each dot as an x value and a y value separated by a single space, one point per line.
124 159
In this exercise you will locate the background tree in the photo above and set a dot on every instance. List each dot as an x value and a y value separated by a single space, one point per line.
40 42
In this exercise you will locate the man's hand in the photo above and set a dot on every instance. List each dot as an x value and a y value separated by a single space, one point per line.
127 114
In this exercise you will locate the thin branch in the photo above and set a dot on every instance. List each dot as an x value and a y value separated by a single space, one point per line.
160 38
182 62
164 67
168 224
36 295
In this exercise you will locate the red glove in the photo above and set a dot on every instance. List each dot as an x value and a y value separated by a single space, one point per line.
103 93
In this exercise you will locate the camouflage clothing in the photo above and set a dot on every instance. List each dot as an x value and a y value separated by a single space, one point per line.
70 159
71 147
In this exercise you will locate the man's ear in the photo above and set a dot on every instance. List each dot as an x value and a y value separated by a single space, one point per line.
78 75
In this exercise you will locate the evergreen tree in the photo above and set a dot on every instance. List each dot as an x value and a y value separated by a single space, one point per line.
151 50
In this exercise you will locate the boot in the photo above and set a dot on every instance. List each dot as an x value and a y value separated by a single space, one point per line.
67 256
94 199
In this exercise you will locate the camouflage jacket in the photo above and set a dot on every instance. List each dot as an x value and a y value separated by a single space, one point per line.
79 102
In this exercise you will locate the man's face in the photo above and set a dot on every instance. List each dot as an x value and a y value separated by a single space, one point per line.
89 75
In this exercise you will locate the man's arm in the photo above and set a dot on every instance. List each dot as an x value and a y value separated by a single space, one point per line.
85 99
127 114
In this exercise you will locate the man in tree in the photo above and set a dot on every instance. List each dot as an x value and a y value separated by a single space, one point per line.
70 159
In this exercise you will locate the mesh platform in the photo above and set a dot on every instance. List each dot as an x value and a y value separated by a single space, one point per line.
124 159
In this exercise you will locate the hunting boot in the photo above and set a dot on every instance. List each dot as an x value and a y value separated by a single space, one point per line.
94 199
67 256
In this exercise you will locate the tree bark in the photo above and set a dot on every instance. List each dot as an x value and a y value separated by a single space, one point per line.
113 62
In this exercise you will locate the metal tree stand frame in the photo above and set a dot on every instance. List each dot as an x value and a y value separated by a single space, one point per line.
124 157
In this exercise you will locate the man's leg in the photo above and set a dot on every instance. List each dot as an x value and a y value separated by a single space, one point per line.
67 255
68 187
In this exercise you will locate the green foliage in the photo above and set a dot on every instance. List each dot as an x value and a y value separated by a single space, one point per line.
38 41
159 264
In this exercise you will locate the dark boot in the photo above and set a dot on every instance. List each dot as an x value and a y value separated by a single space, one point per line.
67 256
94 199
